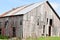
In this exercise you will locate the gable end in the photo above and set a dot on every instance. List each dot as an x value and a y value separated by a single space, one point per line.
53 9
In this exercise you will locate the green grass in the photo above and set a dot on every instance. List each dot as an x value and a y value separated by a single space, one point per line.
3 37
44 38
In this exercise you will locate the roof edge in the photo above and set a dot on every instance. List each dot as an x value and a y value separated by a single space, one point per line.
12 16
53 9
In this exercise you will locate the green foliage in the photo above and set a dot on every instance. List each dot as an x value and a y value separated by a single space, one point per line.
44 38
3 37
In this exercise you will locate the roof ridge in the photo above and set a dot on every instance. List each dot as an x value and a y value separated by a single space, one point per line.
31 7
17 10
24 8
8 12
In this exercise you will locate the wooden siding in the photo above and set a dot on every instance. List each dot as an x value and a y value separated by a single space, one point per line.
35 23
42 12
12 22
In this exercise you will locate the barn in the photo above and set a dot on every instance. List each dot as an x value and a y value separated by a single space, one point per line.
34 20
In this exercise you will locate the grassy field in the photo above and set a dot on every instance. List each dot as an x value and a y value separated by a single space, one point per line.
40 38
44 38
3 37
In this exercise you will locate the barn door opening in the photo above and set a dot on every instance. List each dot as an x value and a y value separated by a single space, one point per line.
0 31
14 32
49 30
43 30
50 24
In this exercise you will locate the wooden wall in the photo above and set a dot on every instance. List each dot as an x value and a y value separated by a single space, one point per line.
13 21
31 28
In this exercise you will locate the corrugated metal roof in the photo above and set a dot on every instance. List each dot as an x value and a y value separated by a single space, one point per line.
26 8
6 12
14 10
29 8
22 9
17 10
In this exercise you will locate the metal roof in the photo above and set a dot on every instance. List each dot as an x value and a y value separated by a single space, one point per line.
22 9
14 11
26 8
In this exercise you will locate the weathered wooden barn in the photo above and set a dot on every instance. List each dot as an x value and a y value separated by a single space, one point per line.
34 20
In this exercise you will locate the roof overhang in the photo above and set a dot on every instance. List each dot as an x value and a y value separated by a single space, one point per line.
53 10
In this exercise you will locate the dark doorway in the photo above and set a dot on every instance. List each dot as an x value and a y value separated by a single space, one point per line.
49 30
0 31
50 22
14 32
43 30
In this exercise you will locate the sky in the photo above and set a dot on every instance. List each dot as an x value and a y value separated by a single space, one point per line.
6 5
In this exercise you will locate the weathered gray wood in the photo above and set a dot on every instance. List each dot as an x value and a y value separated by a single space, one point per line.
33 22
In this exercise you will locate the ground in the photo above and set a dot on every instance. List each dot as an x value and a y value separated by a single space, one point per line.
40 38
44 38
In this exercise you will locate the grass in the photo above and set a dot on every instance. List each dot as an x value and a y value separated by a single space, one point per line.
30 38
3 37
44 38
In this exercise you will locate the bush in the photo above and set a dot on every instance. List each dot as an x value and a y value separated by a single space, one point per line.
3 37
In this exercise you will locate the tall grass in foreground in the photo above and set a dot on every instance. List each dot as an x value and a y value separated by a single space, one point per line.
3 37
44 38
